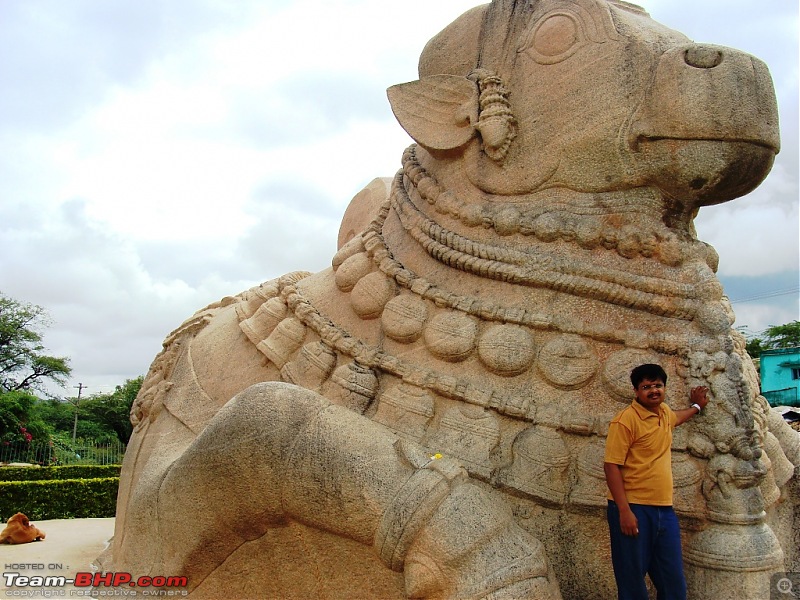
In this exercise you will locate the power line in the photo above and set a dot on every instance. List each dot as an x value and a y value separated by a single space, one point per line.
772 294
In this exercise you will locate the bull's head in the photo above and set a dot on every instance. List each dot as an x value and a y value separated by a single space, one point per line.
590 95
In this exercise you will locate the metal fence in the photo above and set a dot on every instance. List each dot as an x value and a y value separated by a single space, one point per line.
55 453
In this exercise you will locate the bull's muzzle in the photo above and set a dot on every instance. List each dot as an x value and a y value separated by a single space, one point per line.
714 106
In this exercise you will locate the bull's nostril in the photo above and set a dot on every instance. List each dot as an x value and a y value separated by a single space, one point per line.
702 57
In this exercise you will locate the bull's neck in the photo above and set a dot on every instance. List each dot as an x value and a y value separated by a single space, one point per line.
613 247
441 210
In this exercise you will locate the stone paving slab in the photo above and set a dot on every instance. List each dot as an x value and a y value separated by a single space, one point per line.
71 546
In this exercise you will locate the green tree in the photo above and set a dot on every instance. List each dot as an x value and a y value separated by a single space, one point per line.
60 418
23 363
111 412
59 415
782 336
102 418
774 337
18 421
754 347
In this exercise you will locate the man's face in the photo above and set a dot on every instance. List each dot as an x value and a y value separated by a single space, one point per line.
650 393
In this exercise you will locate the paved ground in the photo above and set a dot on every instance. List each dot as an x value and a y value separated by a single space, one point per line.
70 547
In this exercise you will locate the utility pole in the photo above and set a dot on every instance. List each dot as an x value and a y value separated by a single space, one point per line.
80 387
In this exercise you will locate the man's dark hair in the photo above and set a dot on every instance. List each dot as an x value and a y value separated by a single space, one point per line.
649 371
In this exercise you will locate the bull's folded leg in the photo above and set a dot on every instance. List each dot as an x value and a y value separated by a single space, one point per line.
470 547
277 453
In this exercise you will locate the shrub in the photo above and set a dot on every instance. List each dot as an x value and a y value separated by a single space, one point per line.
59 472
60 498
64 492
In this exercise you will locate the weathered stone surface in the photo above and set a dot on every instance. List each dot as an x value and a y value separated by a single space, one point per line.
427 417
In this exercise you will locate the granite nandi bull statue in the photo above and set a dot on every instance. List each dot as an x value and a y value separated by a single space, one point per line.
427 417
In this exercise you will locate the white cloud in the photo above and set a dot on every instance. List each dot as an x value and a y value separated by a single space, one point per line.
758 317
758 234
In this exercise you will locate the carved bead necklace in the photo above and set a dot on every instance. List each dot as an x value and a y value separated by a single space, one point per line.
575 220
352 264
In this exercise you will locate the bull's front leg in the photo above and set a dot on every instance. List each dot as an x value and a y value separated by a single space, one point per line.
277 452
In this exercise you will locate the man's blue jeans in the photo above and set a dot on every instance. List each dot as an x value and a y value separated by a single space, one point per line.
655 551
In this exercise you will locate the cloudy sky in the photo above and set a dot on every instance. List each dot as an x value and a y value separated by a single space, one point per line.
158 155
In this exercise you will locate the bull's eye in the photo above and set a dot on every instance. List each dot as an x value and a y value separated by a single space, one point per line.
555 35
553 38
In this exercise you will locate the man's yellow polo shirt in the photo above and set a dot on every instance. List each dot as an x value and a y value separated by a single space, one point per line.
640 441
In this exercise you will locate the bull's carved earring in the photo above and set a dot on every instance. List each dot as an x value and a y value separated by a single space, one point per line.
496 122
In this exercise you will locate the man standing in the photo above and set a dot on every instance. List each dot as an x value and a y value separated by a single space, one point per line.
645 537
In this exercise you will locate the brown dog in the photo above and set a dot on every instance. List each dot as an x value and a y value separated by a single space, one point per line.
19 530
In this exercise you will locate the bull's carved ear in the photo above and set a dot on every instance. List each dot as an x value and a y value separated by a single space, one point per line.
439 112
